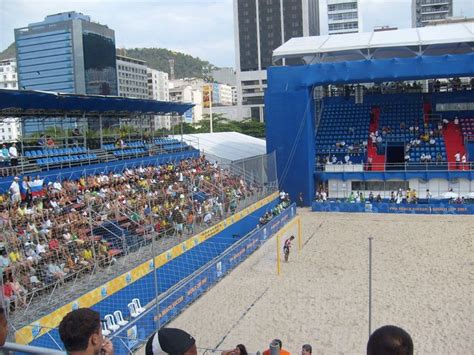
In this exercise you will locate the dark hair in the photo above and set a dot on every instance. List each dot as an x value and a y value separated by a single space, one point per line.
77 327
242 349
279 343
390 340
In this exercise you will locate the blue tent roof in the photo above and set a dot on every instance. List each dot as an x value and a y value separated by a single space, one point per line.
25 102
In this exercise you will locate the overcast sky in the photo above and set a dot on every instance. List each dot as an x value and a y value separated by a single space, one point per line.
202 28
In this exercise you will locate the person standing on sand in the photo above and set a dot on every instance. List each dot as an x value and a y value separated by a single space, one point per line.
287 246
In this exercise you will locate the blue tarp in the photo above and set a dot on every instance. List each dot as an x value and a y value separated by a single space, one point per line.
289 106
18 101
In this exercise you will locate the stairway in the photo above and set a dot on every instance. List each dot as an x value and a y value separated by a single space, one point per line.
378 160
454 141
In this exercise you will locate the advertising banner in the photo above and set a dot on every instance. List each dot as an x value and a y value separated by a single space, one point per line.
438 208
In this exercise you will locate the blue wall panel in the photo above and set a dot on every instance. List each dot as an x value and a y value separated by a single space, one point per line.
289 132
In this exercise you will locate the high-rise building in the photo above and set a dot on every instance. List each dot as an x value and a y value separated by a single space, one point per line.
158 85
68 53
132 77
158 89
343 16
8 74
425 12
260 26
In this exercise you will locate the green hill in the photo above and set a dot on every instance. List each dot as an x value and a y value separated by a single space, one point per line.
185 66
9 52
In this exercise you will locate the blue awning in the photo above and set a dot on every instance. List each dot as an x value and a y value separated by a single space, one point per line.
25 102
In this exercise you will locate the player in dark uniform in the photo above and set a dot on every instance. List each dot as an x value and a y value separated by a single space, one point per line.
287 246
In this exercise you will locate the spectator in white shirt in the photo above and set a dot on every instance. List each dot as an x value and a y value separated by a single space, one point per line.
13 152
15 190
347 158
457 158
456 121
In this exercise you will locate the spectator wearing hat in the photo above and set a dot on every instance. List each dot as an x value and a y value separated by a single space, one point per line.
171 341
81 333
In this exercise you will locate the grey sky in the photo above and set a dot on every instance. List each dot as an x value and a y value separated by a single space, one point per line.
202 28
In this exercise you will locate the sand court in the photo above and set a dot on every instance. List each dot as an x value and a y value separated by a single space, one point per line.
422 281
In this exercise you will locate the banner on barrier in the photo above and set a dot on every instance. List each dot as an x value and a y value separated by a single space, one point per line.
438 208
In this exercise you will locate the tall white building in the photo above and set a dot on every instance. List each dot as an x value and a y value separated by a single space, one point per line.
260 26
132 77
158 89
343 16
8 74
426 12
10 127
10 130
158 85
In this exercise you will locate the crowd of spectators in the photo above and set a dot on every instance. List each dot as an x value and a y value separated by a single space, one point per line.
48 232
275 211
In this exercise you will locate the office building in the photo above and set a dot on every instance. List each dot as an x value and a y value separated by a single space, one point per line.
426 12
67 53
132 77
343 17
260 26
8 74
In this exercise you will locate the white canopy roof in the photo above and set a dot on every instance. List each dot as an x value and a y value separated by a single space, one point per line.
230 146
437 40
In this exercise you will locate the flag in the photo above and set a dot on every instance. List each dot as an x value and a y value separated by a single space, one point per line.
36 187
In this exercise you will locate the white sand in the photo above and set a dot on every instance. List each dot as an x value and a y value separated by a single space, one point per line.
423 282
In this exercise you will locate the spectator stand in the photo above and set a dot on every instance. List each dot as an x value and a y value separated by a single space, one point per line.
63 130
82 229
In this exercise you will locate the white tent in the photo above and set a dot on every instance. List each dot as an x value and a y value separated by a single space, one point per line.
230 146
431 40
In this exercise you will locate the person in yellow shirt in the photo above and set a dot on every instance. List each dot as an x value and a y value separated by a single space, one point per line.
87 254
14 256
